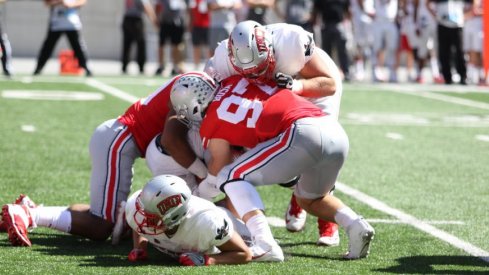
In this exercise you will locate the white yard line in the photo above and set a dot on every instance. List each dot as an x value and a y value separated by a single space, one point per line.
413 221
482 138
409 90
111 90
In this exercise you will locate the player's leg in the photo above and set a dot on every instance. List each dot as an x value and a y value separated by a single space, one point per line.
316 181
79 48
113 153
46 50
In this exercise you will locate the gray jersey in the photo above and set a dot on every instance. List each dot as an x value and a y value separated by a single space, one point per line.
64 19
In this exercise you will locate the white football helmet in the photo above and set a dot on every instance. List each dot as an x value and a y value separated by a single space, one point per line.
190 96
162 204
250 50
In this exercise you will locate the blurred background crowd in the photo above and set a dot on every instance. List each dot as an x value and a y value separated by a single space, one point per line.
430 41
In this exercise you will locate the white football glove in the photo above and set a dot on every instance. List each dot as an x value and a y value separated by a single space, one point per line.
207 189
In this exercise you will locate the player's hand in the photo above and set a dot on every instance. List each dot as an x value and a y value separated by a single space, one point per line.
137 255
284 80
193 259
207 189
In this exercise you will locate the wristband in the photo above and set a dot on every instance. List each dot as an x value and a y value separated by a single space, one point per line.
297 86
198 168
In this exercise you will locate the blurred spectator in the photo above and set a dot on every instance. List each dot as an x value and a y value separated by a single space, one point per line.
333 30
133 31
408 38
386 40
473 41
449 16
257 9
64 18
223 20
5 50
171 14
199 27
427 44
362 13
297 12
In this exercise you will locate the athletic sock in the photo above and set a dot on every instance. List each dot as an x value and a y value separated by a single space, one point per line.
345 216
55 217
259 228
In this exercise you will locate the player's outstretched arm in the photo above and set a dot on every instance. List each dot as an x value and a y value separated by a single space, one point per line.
233 251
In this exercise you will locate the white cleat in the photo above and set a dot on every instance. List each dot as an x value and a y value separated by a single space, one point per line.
360 235
267 252
328 233
295 217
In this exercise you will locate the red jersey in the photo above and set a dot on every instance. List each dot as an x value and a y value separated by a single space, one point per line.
245 114
146 118
200 13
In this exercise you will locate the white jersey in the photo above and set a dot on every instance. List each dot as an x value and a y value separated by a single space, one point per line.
293 48
385 10
205 227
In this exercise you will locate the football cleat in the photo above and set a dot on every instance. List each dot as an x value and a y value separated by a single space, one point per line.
360 235
295 217
328 233
266 252
17 219
21 200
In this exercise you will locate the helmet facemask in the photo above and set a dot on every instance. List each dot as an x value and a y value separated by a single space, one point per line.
251 52
162 204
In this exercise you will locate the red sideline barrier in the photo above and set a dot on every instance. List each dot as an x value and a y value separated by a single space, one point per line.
485 7
69 63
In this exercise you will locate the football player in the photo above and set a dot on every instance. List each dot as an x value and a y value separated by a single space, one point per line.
114 147
185 227
285 54
288 137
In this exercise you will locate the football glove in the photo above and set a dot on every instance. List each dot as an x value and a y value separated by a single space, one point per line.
193 259
137 255
284 80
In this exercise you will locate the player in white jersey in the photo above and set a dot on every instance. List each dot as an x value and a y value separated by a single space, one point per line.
386 39
286 54
473 36
426 47
362 12
188 228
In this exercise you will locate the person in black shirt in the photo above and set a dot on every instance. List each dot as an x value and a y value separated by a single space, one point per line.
333 31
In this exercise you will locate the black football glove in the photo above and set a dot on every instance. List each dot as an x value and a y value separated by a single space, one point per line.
284 80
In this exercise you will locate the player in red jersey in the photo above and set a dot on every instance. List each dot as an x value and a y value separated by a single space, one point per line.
288 137
114 147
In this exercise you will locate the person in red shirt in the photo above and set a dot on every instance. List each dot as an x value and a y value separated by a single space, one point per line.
114 147
199 28
289 139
